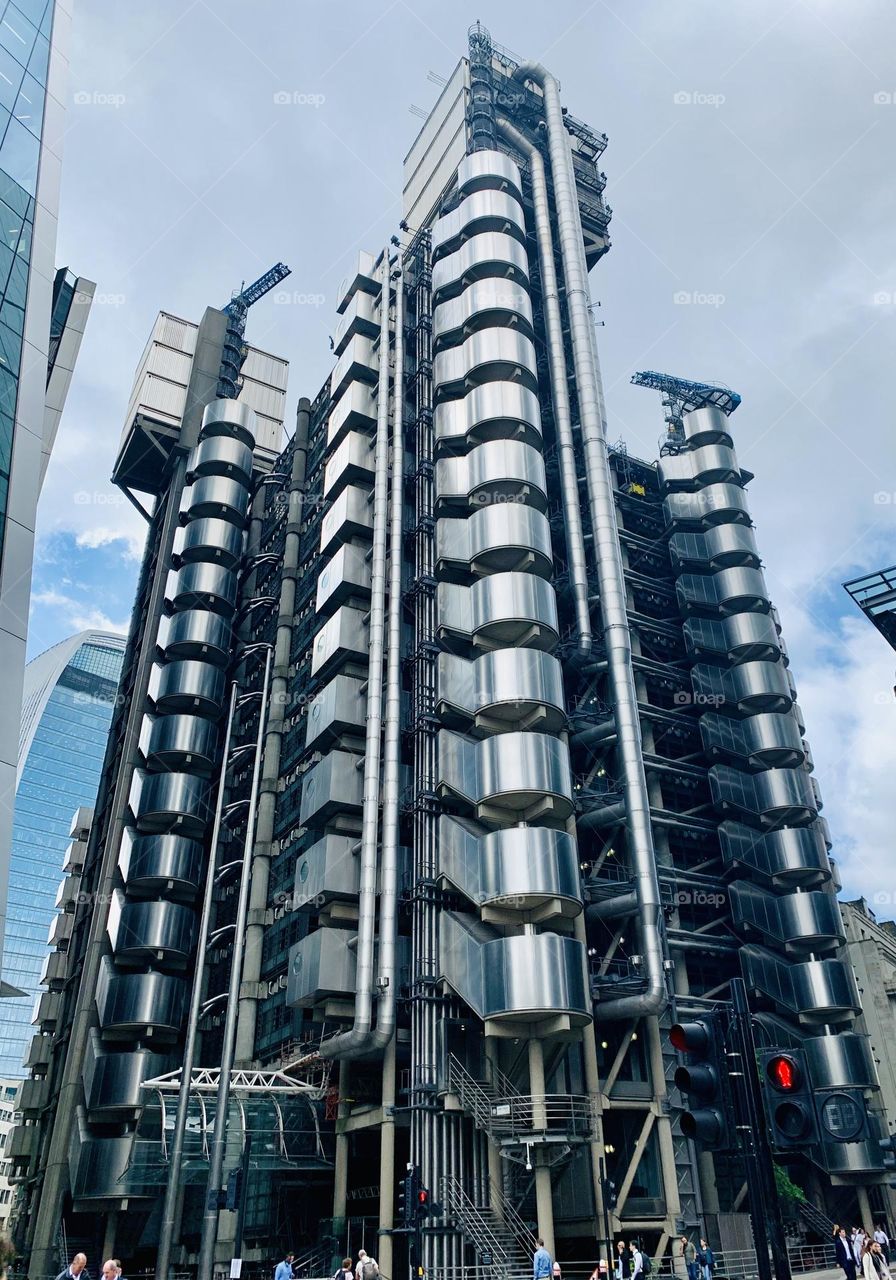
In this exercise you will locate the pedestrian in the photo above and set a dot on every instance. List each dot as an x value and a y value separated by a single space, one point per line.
637 1260
689 1253
707 1259
368 1268
845 1257
622 1262
117 1263
283 1270
858 1245
346 1271
878 1261
110 1270
75 1268
882 1238
541 1262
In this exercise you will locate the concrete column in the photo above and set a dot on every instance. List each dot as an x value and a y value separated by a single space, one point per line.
651 1029
865 1215
340 1168
109 1238
543 1198
495 1169
592 1084
387 1162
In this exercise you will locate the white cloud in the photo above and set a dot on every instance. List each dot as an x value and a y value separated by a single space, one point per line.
78 617
101 536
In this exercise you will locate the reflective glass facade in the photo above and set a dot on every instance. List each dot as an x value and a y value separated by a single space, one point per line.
25 30
60 772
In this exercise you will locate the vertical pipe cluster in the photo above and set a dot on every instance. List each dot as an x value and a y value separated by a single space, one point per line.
608 555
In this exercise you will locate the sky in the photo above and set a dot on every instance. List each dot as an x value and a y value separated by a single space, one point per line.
750 174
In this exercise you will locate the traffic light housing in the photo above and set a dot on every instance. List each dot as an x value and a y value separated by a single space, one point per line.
704 1079
407 1196
422 1203
789 1099
234 1189
888 1146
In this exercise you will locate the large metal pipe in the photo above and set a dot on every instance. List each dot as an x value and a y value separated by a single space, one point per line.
608 553
174 1186
572 515
208 1239
357 1040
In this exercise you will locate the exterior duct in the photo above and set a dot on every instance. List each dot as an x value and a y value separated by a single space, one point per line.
608 557
572 515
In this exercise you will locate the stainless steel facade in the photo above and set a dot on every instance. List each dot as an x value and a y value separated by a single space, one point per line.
535 779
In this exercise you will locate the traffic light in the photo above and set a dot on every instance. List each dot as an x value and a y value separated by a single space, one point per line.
407 1196
705 1079
789 1099
234 1189
611 1193
422 1203
888 1145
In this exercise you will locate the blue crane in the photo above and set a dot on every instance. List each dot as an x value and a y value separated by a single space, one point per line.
236 310
680 396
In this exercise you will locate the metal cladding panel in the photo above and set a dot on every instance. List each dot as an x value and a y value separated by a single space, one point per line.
216 496
212 541
222 456
711 464
750 687
772 798
98 1168
722 547
489 170
359 362
727 591
350 516
203 586
484 210
496 410
818 991
716 504
489 355
502 609
129 1002
743 637
112 1080
853 1159
343 638
437 150
143 931
334 785
363 277
345 577
47 1008
514 770
498 539
483 304
352 461
165 801
339 708
508 685
187 685
196 633
498 471
519 868
762 741
524 978
229 418
354 411
180 741
841 1062
706 426
359 317
321 965
161 863
807 921
330 869
490 254
793 856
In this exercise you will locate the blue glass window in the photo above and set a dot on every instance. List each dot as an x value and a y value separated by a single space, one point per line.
19 155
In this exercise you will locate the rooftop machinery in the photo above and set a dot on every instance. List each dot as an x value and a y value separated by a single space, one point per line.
681 396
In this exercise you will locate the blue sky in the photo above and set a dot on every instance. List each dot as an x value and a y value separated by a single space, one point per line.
750 174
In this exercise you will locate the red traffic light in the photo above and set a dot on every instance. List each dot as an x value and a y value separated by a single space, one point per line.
422 1196
691 1037
783 1073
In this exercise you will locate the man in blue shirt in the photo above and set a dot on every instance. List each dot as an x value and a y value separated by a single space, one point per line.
541 1262
283 1270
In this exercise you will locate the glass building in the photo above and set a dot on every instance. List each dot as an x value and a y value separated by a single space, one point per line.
68 703
34 39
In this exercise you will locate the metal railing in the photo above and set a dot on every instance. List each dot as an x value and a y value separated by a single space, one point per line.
502 1112
732 1264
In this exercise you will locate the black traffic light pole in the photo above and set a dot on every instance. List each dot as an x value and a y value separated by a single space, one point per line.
765 1208
604 1189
